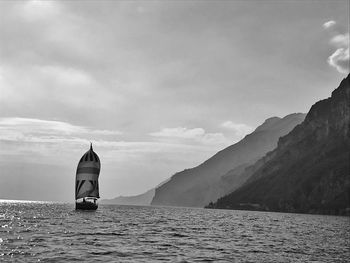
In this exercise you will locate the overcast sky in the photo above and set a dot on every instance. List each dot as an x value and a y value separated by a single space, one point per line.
157 86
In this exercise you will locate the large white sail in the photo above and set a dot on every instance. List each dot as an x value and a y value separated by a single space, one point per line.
88 170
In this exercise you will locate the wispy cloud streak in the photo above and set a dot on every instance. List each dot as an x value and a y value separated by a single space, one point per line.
38 126
54 139
239 129
195 134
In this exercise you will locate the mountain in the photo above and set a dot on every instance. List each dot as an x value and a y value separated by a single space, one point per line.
198 186
141 199
309 171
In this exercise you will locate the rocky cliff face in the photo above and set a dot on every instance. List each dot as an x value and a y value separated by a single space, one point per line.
198 186
309 169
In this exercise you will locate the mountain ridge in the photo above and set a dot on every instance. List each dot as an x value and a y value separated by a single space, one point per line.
199 185
309 170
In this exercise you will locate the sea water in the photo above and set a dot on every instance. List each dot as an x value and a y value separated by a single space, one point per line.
52 232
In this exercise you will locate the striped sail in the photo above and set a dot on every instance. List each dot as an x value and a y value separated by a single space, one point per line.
88 170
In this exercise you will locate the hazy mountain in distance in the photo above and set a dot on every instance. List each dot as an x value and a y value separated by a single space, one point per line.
198 186
141 199
309 171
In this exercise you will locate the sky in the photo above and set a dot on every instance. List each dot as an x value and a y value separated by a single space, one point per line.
156 86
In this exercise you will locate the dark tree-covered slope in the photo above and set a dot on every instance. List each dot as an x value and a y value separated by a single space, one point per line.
309 171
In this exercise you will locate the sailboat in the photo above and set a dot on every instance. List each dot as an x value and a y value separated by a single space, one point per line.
86 181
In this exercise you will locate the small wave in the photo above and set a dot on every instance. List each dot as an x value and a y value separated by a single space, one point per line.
37 240
178 235
112 253
98 234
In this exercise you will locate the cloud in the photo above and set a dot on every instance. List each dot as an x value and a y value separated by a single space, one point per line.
339 59
36 140
180 132
53 87
35 10
195 134
329 24
65 76
27 129
340 40
239 129
106 132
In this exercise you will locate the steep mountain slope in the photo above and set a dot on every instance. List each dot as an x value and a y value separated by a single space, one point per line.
309 170
198 186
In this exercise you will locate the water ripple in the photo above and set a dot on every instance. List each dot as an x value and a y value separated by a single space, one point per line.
52 232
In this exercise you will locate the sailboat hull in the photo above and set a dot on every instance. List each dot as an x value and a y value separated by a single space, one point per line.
85 206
